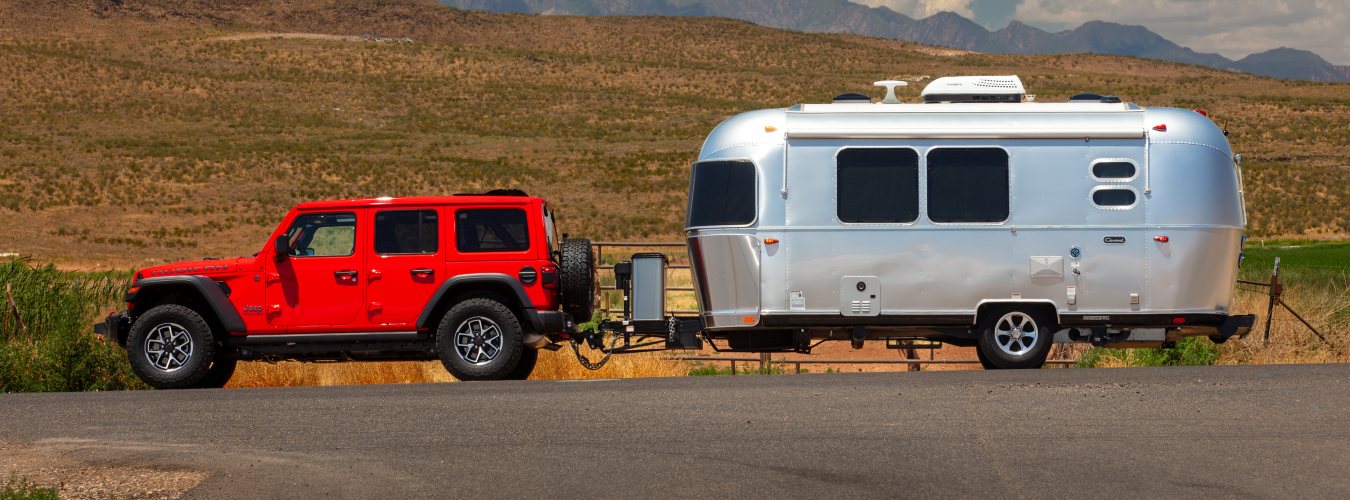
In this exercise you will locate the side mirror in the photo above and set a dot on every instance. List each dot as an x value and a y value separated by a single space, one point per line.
281 248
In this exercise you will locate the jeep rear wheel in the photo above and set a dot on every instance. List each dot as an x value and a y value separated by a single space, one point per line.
170 347
578 279
479 339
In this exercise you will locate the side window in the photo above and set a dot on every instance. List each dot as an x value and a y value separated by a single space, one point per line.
877 185
968 185
1113 170
1117 198
323 235
406 232
491 230
721 193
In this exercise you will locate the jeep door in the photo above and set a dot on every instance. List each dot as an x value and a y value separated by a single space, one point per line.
318 285
405 263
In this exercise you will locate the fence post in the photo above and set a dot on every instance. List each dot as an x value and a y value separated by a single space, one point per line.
1274 296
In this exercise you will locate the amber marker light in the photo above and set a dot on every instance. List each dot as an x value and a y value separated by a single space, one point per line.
749 320
770 241
770 128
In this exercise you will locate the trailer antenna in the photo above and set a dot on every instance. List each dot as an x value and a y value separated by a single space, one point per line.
890 90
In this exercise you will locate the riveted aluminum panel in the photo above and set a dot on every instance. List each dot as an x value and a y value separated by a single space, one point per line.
727 278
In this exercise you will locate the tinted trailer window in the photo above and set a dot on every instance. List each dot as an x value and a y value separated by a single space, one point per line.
722 193
878 185
968 185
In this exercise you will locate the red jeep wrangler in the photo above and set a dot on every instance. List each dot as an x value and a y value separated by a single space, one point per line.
478 281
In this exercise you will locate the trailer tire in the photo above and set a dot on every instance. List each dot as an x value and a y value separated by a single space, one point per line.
578 279
1016 338
984 360
479 339
175 331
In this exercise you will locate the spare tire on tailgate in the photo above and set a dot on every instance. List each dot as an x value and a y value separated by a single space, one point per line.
578 279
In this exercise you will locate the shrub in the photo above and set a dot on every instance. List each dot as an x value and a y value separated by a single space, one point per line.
22 489
49 344
1190 351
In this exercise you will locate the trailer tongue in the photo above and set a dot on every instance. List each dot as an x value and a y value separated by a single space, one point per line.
644 325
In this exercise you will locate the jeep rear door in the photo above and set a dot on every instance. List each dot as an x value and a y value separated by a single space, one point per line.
405 261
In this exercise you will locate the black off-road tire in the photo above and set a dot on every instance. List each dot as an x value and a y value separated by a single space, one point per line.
1029 354
171 321
496 360
577 274
219 374
528 358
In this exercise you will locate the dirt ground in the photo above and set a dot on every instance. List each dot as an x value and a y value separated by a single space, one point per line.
70 466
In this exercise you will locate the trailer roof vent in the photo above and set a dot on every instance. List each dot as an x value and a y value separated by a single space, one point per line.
851 98
975 89
1109 99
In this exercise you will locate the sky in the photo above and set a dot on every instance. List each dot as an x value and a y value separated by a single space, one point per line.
1232 28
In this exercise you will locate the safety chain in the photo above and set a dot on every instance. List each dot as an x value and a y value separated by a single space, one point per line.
597 364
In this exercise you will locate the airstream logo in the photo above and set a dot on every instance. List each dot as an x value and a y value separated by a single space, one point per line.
1114 240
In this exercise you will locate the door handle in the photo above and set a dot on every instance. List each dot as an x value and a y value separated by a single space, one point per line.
351 275
423 272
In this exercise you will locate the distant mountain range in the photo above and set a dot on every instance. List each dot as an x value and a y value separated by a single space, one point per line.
945 29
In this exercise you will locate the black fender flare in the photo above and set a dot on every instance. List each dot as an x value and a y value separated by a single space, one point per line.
206 287
425 320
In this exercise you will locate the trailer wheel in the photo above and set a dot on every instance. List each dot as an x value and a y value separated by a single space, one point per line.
1016 338
578 279
984 360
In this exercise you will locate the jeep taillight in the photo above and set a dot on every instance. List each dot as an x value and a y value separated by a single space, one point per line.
549 277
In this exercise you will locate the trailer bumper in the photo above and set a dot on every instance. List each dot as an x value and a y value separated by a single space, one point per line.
1237 326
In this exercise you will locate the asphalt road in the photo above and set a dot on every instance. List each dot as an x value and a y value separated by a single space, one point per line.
1268 431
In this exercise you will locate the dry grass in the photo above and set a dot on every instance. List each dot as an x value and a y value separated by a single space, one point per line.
1290 341
558 365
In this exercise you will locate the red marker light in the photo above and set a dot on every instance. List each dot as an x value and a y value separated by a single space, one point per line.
1202 113
1160 239
1178 320
1161 127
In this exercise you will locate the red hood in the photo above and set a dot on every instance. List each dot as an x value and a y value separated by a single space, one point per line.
209 267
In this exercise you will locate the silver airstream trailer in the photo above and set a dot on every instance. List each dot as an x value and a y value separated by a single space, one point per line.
975 217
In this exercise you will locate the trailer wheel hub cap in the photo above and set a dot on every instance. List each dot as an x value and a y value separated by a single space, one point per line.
1016 333
478 340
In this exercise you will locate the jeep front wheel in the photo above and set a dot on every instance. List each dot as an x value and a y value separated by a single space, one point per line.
479 339
170 347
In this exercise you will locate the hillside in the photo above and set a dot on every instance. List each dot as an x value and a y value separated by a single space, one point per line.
944 28
138 130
